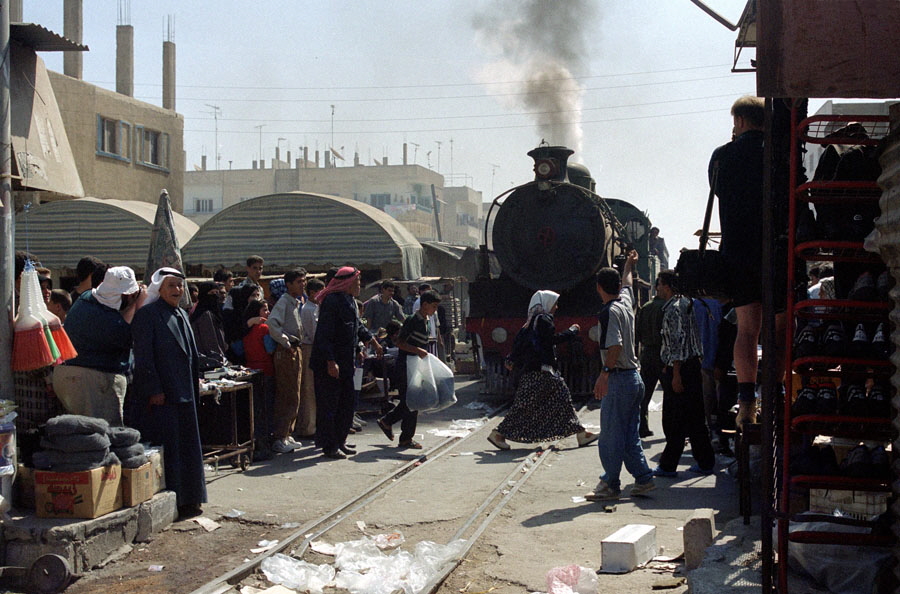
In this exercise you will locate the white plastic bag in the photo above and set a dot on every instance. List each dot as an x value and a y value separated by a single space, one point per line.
572 579
297 575
421 389
443 378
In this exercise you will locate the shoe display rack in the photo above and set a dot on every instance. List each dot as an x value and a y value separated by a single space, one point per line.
837 356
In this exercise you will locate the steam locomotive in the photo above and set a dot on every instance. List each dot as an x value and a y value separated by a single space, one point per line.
553 233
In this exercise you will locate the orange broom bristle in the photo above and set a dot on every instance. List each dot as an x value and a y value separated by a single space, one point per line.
30 350
63 343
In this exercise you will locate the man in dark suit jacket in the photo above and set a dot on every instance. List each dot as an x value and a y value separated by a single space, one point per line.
166 386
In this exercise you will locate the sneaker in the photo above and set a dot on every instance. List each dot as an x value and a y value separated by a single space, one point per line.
641 489
864 288
746 413
805 404
879 401
854 403
603 492
826 400
664 473
834 340
859 344
357 420
806 344
857 463
881 347
290 439
282 446
704 471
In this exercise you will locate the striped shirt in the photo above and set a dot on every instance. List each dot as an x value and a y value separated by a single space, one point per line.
415 331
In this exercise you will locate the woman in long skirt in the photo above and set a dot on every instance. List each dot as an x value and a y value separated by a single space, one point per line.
542 409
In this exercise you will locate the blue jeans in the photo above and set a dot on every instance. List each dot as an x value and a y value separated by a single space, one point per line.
620 412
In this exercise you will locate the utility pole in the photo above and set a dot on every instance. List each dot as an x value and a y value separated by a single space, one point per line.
451 159
332 135
7 223
438 142
494 169
260 127
216 110
415 152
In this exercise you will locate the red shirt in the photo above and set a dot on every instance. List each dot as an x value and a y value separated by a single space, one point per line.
255 350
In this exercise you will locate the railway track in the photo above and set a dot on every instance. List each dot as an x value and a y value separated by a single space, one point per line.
446 494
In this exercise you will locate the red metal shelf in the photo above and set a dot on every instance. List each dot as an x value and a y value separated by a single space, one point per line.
842 538
821 363
819 129
822 250
846 483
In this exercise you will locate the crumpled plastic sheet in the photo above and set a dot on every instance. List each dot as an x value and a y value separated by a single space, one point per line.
459 428
572 579
296 574
364 569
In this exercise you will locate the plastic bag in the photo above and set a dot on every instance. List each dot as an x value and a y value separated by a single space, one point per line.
421 389
297 575
443 378
572 579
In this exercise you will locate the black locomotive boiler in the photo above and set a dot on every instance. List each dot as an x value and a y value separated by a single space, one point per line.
552 233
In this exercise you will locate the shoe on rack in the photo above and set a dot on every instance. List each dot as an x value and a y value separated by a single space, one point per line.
658 471
881 466
834 340
497 440
879 401
857 463
586 438
859 344
746 413
603 492
641 489
282 446
826 400
386 429
805 404
806 343
704 471
864 288
854 402
881 346
334 454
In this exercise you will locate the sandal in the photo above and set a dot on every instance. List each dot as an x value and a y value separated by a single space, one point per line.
386 429
410 444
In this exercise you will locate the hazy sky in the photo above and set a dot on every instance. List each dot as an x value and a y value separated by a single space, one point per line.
646 85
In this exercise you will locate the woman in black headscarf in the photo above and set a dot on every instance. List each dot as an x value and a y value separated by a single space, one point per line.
206 322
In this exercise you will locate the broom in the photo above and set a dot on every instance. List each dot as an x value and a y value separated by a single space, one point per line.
58 335
30 347
39 309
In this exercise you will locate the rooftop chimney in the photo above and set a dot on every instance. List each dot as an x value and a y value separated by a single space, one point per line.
404 154
125 50
73 29
168 94
202 162
15 11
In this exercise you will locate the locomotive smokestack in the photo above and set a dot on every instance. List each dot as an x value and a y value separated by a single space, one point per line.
551 163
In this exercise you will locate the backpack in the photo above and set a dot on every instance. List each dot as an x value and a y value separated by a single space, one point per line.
525 347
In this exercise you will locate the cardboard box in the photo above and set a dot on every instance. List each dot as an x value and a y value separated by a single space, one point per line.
142 483
87 494
859 505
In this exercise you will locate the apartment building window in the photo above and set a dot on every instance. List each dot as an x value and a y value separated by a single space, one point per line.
113 138
379 200
153 148
203 205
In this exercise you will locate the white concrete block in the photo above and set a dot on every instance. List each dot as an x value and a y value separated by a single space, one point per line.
699 532
628 547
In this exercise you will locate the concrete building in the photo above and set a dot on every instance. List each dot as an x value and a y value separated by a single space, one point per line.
123 148
402 191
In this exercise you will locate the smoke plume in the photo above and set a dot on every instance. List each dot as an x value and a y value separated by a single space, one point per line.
542 44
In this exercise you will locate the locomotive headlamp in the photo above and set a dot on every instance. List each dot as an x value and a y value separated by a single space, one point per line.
546 168
499 335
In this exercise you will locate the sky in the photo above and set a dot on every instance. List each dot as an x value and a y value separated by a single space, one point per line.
640 89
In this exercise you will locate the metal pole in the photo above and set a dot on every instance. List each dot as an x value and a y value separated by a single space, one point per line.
8 226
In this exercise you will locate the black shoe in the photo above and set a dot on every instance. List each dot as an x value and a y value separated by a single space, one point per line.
881 467
879 401
826 400
883 285
348 449
857 463
645 432
335 454
881 347
806 344
855 403
189 511
805 404
834 341
864 288
859 344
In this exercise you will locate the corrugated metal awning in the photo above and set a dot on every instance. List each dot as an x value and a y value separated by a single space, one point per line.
303 229
41 39
116 231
